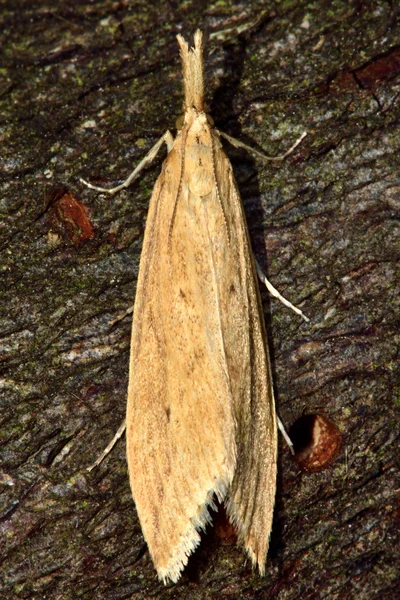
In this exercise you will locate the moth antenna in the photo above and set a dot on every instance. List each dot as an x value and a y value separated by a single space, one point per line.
193 71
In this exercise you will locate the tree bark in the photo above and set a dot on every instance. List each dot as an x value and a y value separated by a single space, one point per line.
87 89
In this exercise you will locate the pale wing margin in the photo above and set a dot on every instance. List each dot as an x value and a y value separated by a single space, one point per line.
250 498
180 418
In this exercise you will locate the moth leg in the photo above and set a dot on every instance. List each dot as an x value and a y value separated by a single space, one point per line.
109 447
285 435
237 144
150 156
122 316
169 140
274 292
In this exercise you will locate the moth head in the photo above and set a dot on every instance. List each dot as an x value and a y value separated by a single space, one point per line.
193 72
188 119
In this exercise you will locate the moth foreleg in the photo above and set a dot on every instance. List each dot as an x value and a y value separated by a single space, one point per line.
238 144
150 156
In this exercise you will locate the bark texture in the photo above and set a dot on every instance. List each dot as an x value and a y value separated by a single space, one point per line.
86 89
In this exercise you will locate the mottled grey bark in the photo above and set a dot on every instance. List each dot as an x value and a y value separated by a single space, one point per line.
86 89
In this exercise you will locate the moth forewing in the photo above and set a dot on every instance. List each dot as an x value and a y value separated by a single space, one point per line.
200 414
250 499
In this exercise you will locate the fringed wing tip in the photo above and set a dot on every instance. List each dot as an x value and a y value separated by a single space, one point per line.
256 561
258 557
191 538
188 543
178 562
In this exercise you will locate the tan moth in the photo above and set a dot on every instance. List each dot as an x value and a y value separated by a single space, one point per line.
200 420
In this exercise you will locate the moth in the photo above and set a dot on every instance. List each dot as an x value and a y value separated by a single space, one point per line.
200 422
